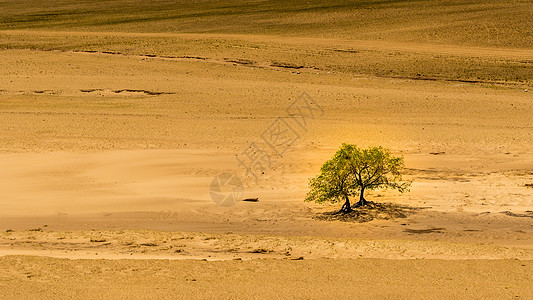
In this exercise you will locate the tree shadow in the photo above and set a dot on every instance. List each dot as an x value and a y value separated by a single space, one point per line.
370 211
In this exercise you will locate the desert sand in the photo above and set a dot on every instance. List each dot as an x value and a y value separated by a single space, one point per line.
115 118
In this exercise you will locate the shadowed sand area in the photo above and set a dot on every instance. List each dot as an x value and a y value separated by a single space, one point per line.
115 117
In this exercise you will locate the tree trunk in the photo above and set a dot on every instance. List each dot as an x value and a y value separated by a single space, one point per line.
346 208
362 200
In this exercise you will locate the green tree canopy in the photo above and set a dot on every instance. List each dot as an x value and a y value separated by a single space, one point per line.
352 171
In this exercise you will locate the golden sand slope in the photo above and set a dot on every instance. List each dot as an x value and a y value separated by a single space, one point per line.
116 115
266 279
483 23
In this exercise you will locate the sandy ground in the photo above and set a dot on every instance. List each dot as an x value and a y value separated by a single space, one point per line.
111 137
32 277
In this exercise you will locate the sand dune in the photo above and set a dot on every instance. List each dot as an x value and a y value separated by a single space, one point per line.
116 116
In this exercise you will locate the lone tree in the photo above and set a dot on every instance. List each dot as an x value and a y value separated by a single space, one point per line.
352 171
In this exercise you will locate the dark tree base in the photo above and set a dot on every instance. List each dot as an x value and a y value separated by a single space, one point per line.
345 209
369 211
363 203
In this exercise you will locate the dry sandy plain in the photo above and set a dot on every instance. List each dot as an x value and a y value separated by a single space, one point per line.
115 116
